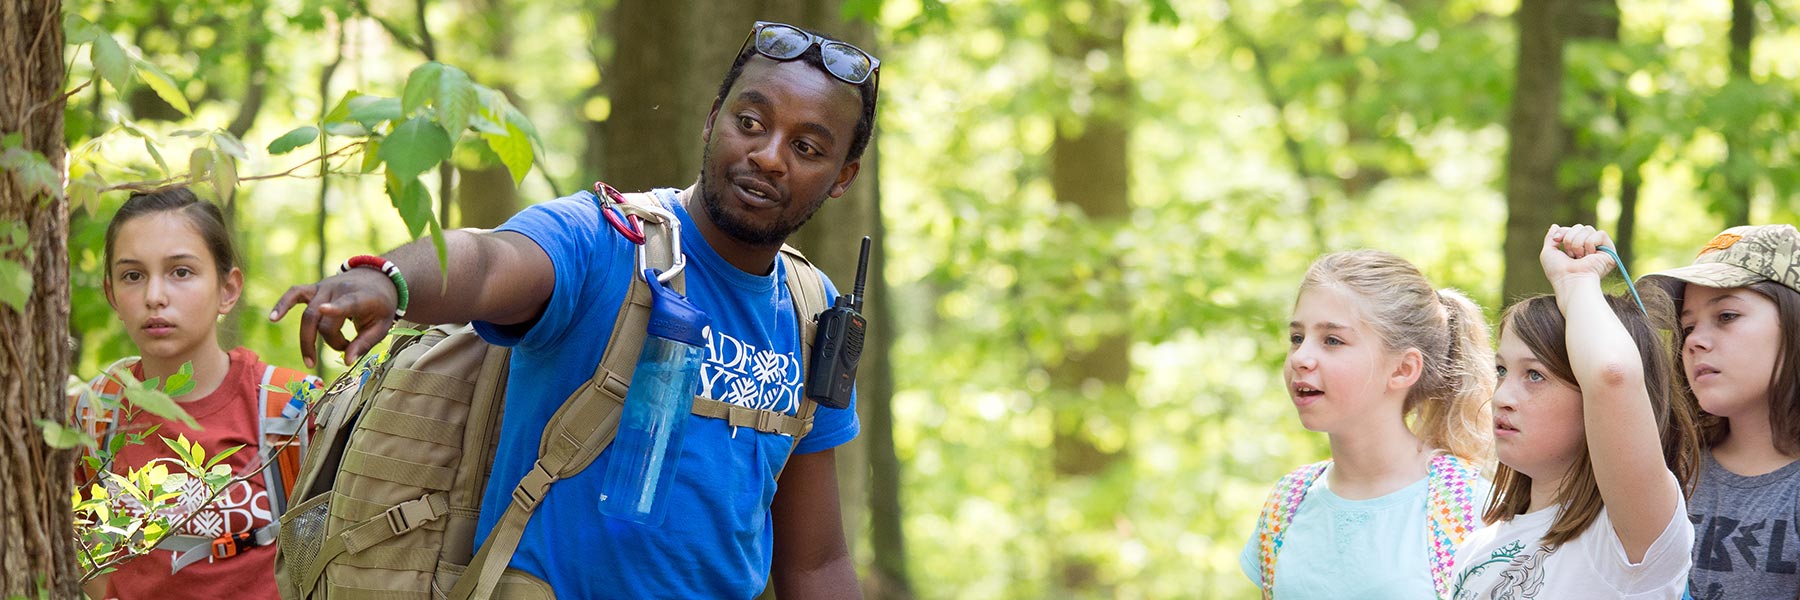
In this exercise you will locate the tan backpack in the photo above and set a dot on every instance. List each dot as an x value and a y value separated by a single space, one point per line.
389 494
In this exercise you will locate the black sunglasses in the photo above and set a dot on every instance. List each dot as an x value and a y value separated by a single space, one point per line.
779 41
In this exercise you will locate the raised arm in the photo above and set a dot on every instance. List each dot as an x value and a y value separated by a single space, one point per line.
1623 441
503 278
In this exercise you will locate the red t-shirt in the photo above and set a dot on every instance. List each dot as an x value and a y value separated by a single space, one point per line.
229 416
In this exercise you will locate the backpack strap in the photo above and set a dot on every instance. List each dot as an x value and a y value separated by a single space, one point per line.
1450 514
1278 514
283 418
806 288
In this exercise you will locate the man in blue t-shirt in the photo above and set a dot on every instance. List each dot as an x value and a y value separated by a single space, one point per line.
786 132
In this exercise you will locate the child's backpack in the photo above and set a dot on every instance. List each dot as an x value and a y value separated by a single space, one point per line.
1449 504
283 420
388 500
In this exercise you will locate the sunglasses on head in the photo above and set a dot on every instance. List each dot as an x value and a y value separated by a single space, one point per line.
786 42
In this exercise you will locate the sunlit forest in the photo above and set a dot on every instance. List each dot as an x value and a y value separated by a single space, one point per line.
1090 218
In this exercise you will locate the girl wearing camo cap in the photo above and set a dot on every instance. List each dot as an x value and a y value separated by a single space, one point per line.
1738 345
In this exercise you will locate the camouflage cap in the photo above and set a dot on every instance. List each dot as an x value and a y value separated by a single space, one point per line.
1738 257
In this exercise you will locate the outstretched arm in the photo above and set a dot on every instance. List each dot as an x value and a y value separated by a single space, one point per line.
503 278
1623 441
811 558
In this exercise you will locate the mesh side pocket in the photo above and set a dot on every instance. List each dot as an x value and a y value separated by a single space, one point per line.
302 535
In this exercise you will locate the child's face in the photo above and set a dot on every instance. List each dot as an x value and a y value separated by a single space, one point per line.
165 286
1337 370
1537 417
1733 338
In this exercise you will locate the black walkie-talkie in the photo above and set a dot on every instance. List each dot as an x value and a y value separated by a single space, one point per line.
839 344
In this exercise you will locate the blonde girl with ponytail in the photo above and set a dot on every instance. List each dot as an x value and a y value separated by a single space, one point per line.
1397 375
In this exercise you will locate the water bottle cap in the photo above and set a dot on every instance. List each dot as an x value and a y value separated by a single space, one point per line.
673 317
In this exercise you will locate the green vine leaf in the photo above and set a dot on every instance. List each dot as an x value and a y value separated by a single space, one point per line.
300 136
413 147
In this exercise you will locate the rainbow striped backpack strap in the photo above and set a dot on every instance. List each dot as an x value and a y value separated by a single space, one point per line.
1277 513
1450 505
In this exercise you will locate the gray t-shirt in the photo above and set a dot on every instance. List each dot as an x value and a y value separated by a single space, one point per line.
1746 533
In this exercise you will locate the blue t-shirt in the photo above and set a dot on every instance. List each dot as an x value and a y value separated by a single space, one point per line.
717 539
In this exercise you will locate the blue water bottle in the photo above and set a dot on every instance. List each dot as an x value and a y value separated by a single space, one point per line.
644 455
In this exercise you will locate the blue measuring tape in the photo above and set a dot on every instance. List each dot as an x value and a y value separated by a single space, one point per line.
1622 273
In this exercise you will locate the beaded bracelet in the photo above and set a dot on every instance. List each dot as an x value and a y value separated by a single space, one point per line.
387 268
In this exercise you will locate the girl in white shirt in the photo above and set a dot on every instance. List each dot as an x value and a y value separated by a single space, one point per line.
1596 456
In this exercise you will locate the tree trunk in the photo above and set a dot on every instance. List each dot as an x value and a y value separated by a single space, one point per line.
1739 165
37 548
1533 199
1585 154
1089 171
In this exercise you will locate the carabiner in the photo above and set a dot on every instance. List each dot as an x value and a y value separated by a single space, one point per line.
626 224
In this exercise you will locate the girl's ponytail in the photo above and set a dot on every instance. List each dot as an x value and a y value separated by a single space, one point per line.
1454 414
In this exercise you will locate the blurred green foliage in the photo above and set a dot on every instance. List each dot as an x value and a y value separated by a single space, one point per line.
1396 111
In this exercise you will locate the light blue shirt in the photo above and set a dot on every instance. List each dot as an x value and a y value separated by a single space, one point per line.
1341 549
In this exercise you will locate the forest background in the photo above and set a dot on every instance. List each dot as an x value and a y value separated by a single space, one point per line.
1091 217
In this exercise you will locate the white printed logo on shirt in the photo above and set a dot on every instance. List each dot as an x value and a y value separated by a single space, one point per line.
737 372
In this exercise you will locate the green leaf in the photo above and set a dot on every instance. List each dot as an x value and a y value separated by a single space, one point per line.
183 449
182 381
77 30
15 284
421 86
158 403
223 455
85 192
150 147
342 110
165 87
230 144
413 202
12 140
370 110
199 164
1163 13
404 331
111 62
414 146
63 437
371 154
34 173
514 150
456 101
92 462
300 136
224 175
273 389
346 129
116 444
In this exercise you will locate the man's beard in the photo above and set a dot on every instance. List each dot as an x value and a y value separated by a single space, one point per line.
740 229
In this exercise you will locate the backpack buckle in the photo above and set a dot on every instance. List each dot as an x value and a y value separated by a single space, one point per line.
766 421
227 546
406 516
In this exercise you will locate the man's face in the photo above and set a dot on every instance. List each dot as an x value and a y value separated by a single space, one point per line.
775 150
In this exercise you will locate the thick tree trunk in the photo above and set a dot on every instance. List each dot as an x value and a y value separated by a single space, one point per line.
1586 155
37 551
1533 198
1089 171
1739 170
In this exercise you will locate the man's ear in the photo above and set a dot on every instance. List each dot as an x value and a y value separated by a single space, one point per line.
846 176
1408 371
712 115
230 290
